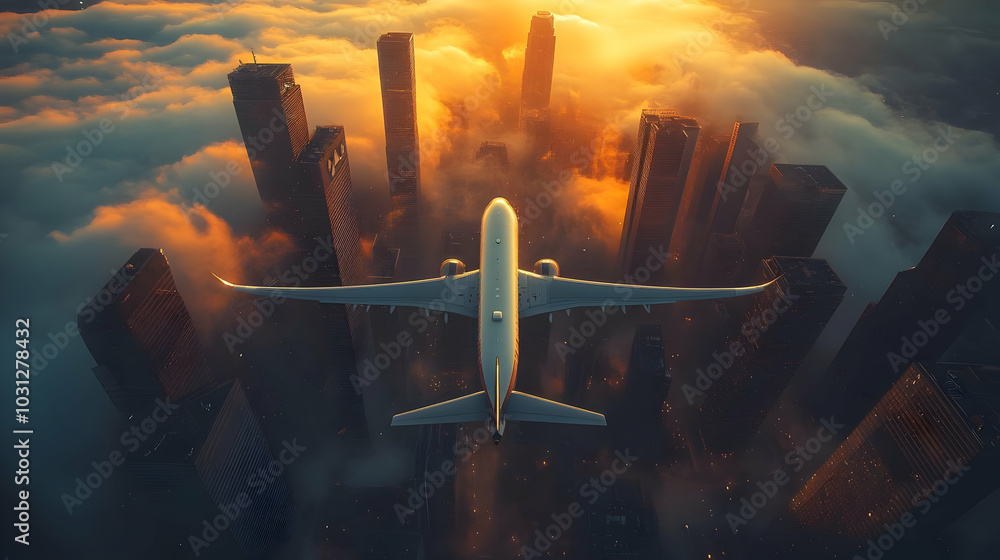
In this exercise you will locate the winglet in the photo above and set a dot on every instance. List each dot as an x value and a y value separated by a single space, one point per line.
230 284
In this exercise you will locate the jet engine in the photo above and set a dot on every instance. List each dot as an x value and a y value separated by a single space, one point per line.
452 267
547 267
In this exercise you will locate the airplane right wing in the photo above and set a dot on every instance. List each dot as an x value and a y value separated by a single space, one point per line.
452 294
544 294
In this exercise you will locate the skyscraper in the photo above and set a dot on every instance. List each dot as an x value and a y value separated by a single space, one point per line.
207 442
402 145
787 213
918 318
143 340
647 380
934 420
305 185
876 352
539 56
493 174
209 455
662 156
694 217
324 172
621 523
272 119
772 346
637 419
733 183
493 152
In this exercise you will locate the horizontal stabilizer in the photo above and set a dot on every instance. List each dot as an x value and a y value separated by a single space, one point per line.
470 408
529 408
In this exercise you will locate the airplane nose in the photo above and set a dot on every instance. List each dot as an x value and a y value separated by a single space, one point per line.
496 438
500 201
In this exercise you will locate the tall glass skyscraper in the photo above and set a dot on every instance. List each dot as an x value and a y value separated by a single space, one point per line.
660 163
402 144
536 82
272 120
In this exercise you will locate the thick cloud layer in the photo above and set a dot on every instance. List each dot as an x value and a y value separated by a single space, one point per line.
114 119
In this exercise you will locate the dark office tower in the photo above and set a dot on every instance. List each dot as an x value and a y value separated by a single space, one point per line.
787 213
734 182
210 457
773 337
694 216
637 418
305 186
537 126
536 82
905 457
494 177
935 297
494 153
660 162
324 171
621 523
978 344
272 121
647 380
722 256
402 145
142 339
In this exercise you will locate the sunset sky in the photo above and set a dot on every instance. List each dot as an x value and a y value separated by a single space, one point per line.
154 73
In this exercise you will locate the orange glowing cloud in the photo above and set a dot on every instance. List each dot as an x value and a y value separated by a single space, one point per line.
196 242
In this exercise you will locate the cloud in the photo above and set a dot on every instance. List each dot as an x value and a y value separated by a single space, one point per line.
157 73
196 242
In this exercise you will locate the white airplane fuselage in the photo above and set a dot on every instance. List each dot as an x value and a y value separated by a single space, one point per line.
498 308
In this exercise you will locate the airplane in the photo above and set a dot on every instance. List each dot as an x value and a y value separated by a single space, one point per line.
498 294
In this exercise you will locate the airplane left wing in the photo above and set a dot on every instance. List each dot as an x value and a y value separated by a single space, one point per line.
545 294
452 294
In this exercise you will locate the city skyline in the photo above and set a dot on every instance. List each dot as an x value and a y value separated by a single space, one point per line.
134 141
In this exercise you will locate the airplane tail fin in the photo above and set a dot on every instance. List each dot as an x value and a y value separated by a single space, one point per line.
529 408
470 408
